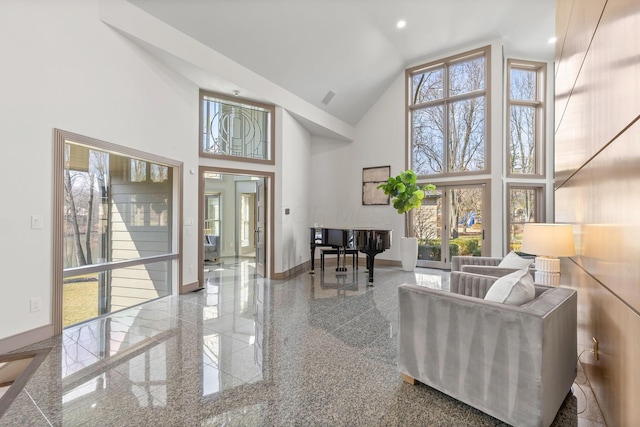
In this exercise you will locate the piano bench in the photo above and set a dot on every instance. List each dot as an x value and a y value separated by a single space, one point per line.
352 252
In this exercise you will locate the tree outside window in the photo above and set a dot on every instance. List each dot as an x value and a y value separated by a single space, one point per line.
448 115
526 109
525 205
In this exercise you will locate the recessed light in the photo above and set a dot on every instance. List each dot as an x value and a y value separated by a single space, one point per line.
236 93
552 40
401 23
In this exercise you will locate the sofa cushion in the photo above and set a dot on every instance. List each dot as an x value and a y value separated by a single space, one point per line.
514 289
513 260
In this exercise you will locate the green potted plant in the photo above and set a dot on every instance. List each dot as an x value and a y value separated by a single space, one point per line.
406 195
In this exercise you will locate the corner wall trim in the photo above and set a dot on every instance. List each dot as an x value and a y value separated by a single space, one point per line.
23 339
292 272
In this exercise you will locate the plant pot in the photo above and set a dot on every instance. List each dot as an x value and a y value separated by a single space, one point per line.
409 253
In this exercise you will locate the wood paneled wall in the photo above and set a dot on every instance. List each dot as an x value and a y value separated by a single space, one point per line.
597 188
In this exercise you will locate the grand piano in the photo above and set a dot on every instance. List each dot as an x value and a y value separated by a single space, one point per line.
368 241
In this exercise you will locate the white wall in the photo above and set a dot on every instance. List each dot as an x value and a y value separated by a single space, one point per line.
336 168
293 182
63 68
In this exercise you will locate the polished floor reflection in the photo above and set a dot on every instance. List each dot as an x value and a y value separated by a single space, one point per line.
244 351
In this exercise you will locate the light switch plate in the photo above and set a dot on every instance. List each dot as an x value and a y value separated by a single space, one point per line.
36 222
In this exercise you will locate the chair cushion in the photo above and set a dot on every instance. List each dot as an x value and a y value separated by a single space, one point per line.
513 260
514 289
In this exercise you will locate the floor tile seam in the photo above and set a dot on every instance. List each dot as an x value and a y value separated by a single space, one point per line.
37 407
218 330
100 359
235 377
244 344
355 318
106 362
152 390
97 367
377 337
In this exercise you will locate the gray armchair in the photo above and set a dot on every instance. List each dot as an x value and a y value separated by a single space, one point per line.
211 248
516 363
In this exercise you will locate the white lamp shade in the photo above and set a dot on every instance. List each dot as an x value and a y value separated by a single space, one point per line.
552 240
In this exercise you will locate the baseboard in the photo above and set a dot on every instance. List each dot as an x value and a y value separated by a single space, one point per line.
292 272
362 262
332 261
190 287
24 339
387 263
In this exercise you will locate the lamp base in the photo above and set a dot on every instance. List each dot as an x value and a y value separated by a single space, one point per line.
547 271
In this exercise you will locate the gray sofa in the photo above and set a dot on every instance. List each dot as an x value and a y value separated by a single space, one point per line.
516 363
211 248
489 266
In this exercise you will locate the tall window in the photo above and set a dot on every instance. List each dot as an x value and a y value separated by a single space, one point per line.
232 128
448 113
526 110
115 245
526 204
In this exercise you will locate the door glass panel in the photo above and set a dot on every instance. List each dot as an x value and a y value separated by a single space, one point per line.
523 208
427 228
449 223
465 221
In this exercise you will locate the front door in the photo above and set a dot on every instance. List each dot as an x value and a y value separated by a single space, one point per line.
450 222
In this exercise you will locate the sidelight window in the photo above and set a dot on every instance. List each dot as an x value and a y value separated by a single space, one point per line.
526 112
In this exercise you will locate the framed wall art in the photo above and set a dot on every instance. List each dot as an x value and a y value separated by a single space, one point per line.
371 178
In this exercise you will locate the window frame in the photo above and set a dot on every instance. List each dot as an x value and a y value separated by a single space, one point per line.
217 222
173 255
271 153
485 52
540 209
540 116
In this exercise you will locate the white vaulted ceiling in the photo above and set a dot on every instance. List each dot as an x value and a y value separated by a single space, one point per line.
351 47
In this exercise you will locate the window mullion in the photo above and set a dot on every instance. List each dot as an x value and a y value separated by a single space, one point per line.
454 93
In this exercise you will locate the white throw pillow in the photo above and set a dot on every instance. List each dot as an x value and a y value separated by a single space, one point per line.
513 260
515 289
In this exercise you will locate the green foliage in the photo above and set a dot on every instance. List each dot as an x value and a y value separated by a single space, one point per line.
461 246
405 193
466 246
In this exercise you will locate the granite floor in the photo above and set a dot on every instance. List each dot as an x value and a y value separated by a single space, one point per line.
316 350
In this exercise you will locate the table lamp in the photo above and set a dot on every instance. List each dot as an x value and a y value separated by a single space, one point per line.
548 242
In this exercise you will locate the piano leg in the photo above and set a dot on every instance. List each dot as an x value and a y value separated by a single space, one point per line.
313 257
370 261
342 265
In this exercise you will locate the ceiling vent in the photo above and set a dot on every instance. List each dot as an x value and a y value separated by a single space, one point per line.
328 97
